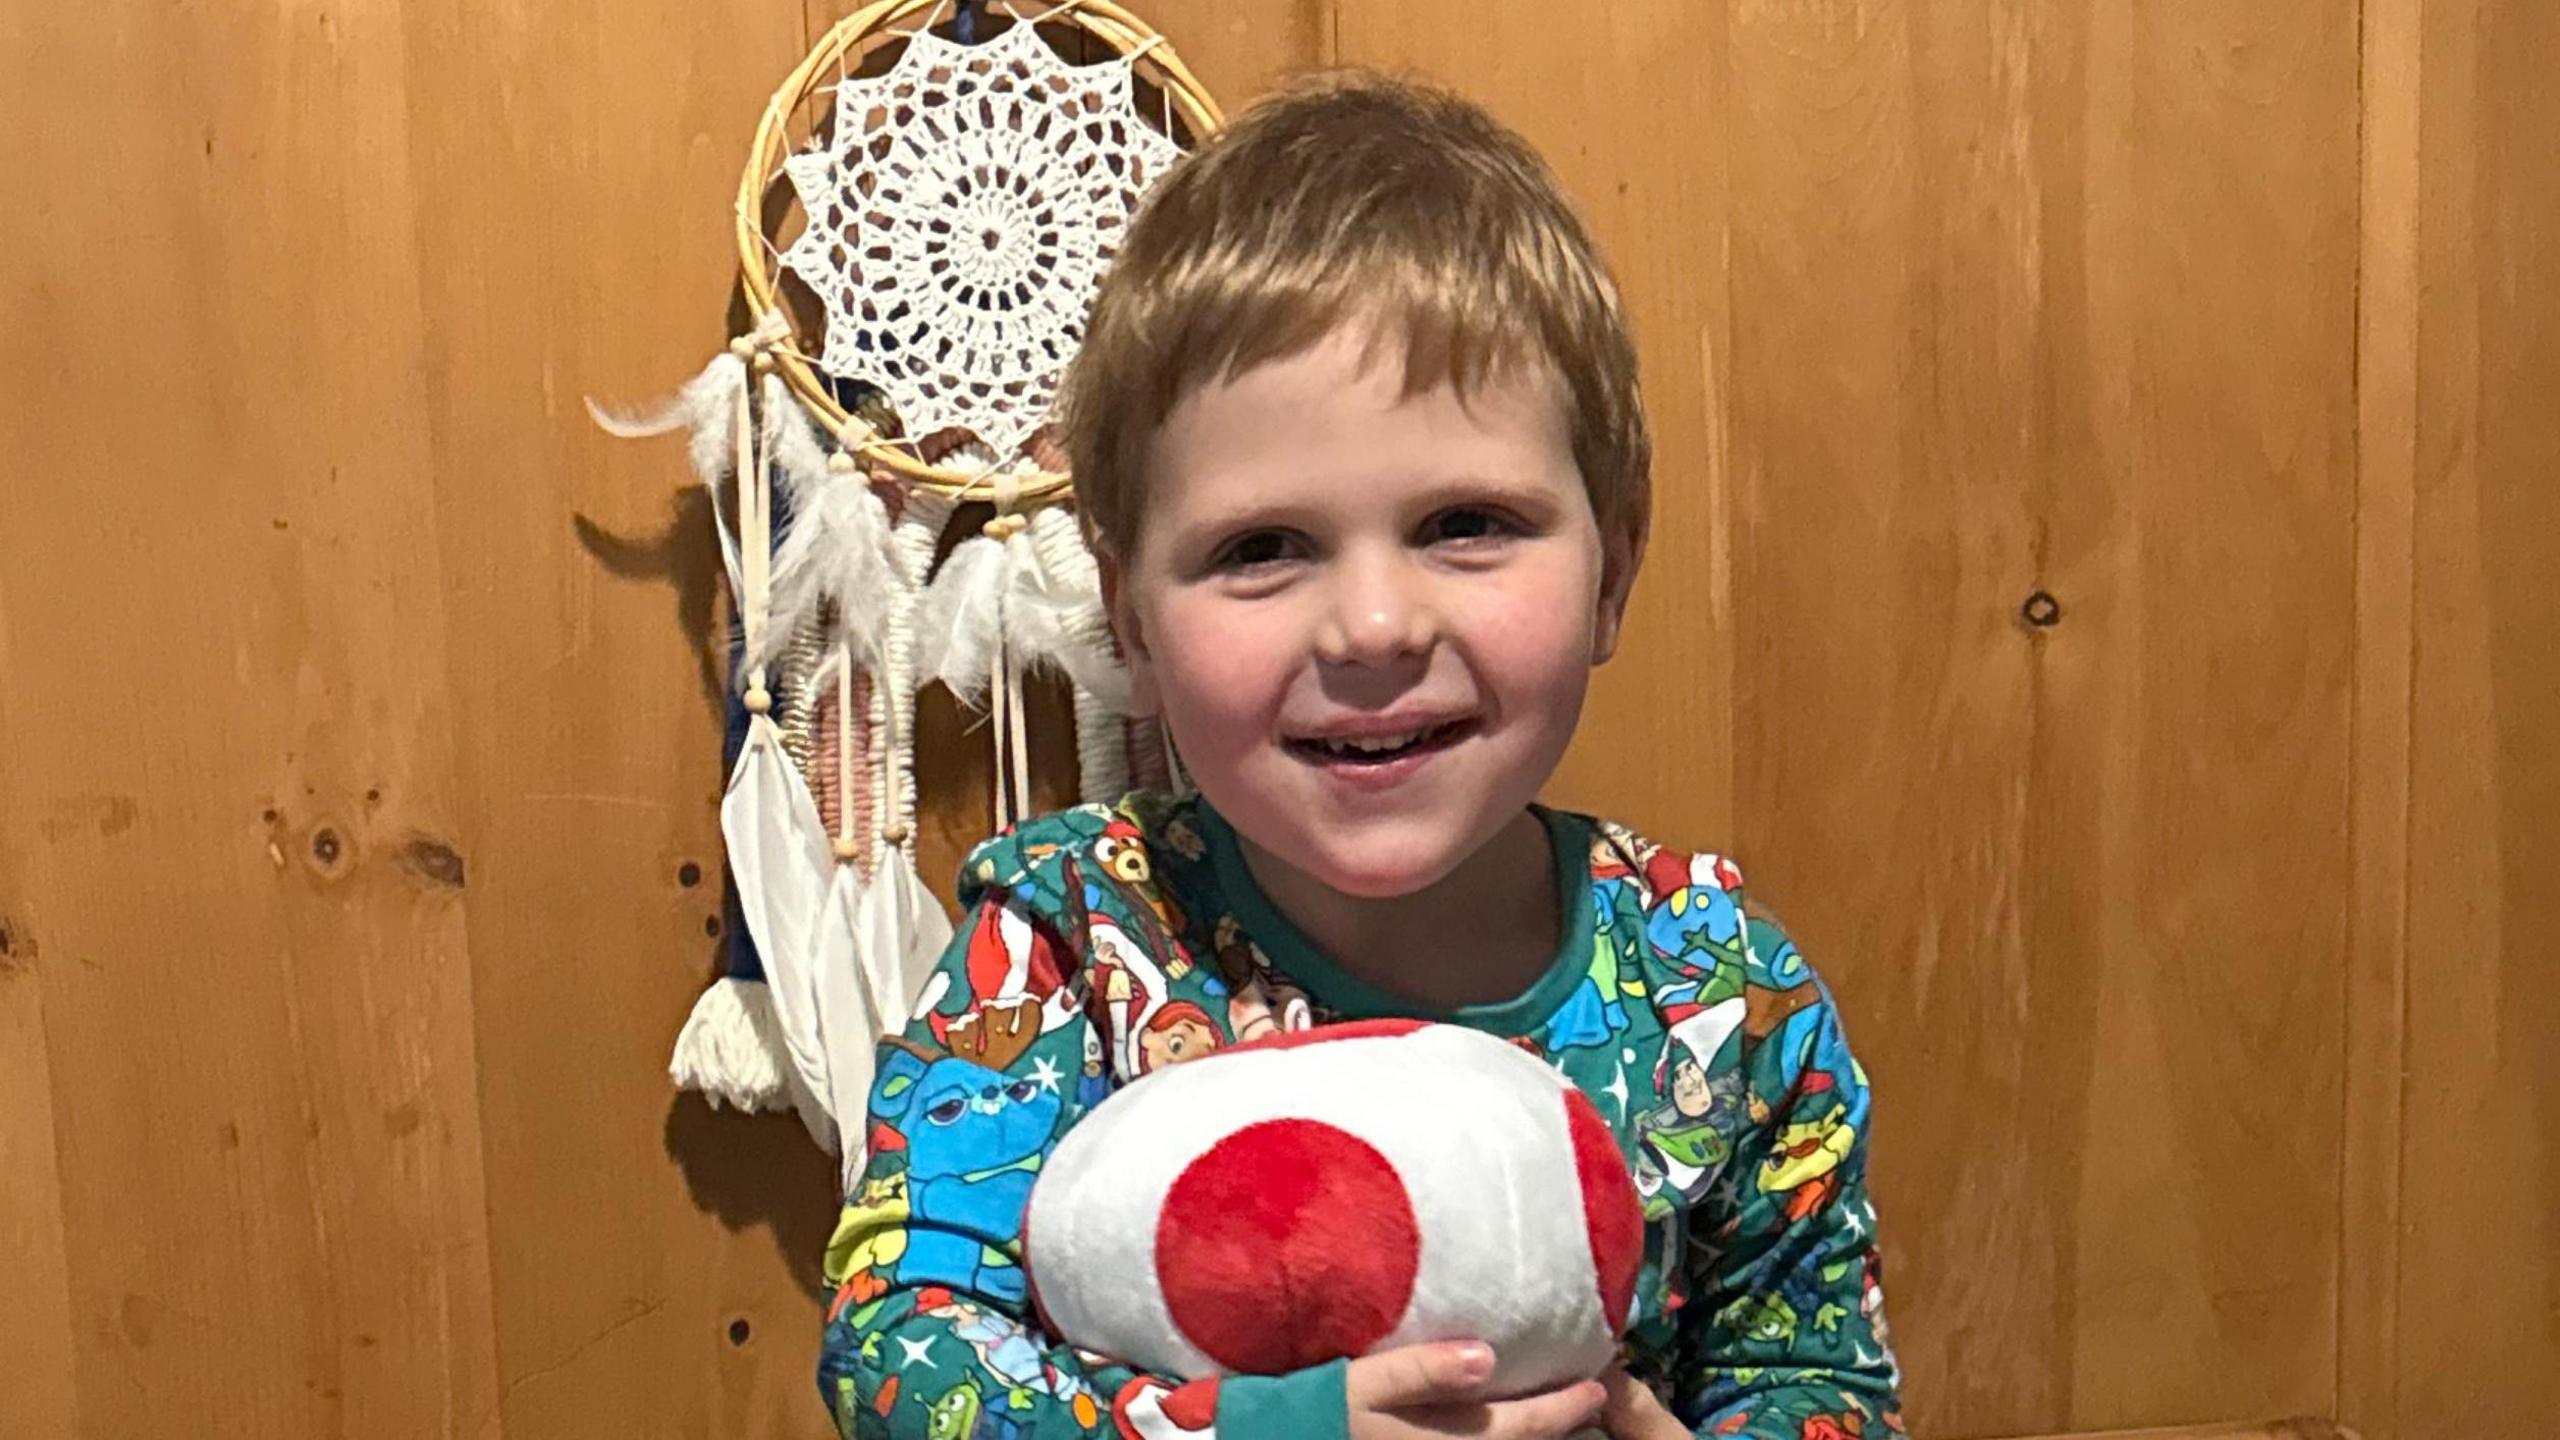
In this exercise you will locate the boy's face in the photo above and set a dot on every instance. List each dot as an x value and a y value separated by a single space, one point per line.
1368 620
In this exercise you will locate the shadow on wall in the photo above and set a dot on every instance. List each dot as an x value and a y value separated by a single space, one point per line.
685 556
758 1172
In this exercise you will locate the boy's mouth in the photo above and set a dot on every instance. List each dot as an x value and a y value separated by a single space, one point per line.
1380 749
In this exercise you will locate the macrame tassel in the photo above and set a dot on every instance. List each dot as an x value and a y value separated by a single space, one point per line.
731 1048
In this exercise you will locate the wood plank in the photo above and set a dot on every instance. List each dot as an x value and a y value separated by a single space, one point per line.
2298 1429
2479 1293
1650 183
2201 522
574 171
1954 383
2386 491
38 1391
256 1001
1888 432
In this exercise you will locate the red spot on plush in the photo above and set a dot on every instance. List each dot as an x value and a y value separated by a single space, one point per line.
1311 1220
1343 1030
1193 1406
1610 1209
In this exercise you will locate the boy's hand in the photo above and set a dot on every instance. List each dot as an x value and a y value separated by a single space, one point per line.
1431 1390
1633 1413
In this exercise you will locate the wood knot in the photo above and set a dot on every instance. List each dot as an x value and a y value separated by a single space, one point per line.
433 861
17 947
2041 611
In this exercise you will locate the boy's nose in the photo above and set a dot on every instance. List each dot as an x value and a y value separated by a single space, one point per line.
1378 615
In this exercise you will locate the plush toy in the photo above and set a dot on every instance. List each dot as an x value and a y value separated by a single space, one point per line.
1335 1192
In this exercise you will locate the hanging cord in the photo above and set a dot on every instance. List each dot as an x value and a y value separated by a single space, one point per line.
755 523
1004 665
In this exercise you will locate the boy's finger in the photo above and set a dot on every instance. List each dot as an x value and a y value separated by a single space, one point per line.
1418 1375
1550 1416
1622 1406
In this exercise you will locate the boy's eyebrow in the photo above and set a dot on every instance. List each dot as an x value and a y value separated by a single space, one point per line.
1517 492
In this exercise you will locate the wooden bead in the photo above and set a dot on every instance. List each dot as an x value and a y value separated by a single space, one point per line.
759 701
841 462
742 347
1005 527
763 363
895 834
847 848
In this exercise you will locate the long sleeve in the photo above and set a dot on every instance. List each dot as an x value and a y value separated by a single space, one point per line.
1784 1336
932 1334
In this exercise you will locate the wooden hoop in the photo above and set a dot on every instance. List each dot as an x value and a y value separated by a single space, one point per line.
857 34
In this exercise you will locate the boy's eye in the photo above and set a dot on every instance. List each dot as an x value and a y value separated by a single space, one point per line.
1257 550
1466 524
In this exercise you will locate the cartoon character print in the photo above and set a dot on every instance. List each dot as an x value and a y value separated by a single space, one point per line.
1128 987
1093 1079
870 1236
1820 1415
1805 1165
1178 1031
1690 1135
1596 1012
962 1414
1817 1133
1008 1351
1260 1000
1010 962
1135 966
855 1419
973 1138
1698 920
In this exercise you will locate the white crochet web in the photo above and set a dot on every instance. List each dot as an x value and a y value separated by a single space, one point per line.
959 218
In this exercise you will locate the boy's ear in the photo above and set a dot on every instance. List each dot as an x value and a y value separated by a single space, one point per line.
1621 555
1122 610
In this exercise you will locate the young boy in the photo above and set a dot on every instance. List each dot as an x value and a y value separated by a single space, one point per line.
1357 440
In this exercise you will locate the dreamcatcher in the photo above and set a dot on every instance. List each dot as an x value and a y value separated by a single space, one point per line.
934 204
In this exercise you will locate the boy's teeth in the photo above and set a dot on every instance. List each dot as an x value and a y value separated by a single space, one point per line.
1373 745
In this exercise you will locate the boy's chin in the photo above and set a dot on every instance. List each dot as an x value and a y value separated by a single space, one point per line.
1386 862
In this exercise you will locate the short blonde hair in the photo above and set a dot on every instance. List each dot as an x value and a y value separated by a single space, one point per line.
1349 195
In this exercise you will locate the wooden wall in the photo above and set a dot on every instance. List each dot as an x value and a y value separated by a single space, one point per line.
357 740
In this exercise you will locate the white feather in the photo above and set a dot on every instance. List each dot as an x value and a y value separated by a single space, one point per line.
837 550
778 849
706 408
1054 612
959 620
